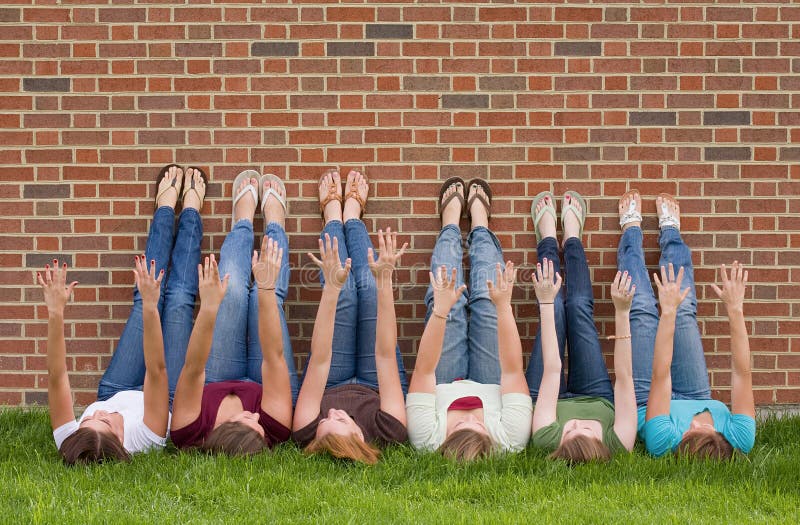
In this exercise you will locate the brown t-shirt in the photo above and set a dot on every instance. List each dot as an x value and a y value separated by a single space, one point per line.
362 404
193 434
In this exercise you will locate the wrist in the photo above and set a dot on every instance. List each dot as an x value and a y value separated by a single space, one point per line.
55 314
206 307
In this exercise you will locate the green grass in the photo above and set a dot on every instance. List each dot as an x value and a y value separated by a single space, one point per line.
405 487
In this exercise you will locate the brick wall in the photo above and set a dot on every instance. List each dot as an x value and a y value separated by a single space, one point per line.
696 99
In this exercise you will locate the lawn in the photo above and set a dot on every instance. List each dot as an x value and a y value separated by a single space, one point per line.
404 487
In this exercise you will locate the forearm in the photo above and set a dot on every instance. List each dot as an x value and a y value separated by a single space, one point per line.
153 343
430 345
56 347
623 365
742 401
200 342
509 345
662 354
386 325
270 331
550 358
322 336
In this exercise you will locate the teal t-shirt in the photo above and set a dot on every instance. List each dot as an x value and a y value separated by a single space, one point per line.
595 408
663 434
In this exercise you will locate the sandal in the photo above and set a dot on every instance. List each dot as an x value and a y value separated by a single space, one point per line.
176 183
245 175
190 187
333 194
455 195
353 194
665 218
580 214
547 208
270 191
487 203
631 214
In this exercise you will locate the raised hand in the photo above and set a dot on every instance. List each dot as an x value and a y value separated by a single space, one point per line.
500 291
335 274
445 293
56 291
383 267
267 265
146 281
622 292
732 291
670 295
546 281
212 289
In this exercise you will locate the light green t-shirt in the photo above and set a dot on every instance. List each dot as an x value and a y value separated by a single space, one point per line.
595 408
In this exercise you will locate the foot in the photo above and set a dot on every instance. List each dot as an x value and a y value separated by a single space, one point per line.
193 199
547 223
356 184
167 193
451 214
273 209
331 182
668 210
572 223
245 208
478 211
625 207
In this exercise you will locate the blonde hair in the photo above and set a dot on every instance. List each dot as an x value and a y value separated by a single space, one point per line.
581 449
706 446
466 445
344 447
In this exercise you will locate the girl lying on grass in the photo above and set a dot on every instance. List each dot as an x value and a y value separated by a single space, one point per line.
238 400
132 411
580 419
468 396
676 412
352 397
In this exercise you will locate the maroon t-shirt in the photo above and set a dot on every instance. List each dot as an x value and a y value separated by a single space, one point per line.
363 404
466 403
193 434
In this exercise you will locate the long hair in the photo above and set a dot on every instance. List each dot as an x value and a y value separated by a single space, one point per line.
87 445
706 446
345 447
581 449
234 439
466 445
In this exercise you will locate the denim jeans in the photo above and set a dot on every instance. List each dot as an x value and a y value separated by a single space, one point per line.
469 350
353 346
688 371
574 319
175 306
235 346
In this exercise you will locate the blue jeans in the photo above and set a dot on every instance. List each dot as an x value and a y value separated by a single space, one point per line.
353 346
469 350
175 306
235 346
689 372
574 319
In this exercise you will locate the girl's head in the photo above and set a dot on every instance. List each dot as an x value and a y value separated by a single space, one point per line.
241 435
705 443
340 436
581 442
466 444
88 445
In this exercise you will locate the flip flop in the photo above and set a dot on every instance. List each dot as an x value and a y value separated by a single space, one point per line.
666 218
175 183
187 189
455 195
333 194
270 191
548 208
487 190
631 215
245 175
566 208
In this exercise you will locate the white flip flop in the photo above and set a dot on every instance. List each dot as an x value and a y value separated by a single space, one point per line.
245 175
270 191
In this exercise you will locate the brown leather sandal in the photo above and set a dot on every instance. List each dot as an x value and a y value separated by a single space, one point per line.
353 194
333 194
455 195
487 190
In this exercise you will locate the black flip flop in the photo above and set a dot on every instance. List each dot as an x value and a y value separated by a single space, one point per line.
487 190
191 184
161 175
455 195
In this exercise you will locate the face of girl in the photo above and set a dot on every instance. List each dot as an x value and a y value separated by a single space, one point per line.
340 423
248 419
697 428
107 422
582 427
469 421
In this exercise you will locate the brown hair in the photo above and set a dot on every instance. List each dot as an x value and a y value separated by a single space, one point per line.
706 445
234 439
581 449
345 447
87 445
466 445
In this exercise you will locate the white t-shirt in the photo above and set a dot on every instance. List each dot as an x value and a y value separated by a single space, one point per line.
129 403
507 417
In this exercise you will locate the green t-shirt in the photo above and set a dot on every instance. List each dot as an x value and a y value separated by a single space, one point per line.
595 408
